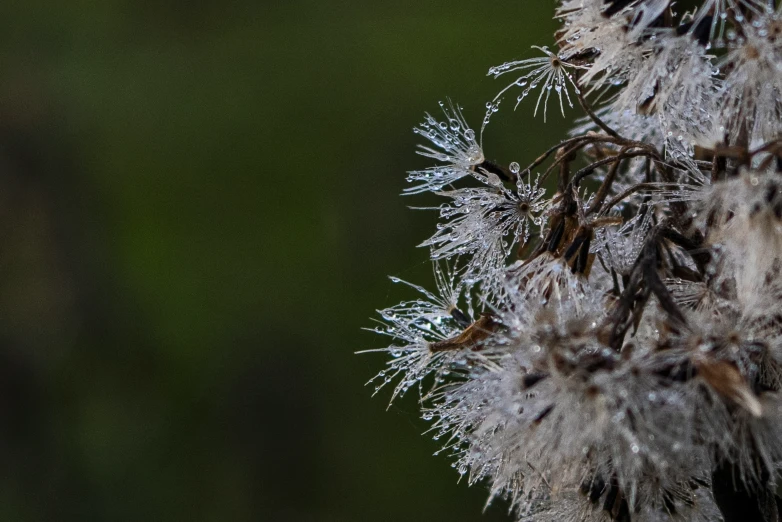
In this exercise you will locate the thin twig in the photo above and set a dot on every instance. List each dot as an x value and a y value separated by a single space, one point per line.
602 192
622 195
581 174
594 117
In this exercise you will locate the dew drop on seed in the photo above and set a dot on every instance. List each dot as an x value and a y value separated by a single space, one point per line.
493 179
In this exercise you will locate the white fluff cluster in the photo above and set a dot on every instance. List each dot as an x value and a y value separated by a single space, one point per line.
609 347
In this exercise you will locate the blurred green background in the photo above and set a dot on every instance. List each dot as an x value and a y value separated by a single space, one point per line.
198 210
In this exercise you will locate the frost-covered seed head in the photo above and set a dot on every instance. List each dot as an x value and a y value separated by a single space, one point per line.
610 346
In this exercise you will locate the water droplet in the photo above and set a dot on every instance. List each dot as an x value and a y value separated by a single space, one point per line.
514 167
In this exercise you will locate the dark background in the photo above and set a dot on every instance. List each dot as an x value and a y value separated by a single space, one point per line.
198 210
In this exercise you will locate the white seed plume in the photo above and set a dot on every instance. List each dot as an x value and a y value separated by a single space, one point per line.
623 359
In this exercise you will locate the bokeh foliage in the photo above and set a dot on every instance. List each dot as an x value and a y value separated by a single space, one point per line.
199 208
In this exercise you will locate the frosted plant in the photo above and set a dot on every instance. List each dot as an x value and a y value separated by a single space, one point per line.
610 347
487 221
545 72
457 151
